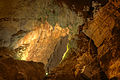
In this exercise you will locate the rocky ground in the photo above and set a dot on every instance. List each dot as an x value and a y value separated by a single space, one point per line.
11 69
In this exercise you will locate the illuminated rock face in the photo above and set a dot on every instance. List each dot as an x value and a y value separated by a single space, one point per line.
98 61
103 23
41 42
16 15
18 21
98 46
57 56
81 63
104 31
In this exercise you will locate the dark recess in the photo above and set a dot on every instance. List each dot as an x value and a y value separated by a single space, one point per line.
79 5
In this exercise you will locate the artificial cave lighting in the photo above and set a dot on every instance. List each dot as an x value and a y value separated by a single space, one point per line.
65 54
59 39
40 41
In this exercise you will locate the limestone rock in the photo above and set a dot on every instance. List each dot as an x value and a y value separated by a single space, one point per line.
11 69
79 65
57 55
104 31
16 15
42 43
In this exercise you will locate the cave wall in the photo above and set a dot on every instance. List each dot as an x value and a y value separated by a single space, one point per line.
104 30
11 69
81 63
22 19
105 17
17 15
97 54
57 56
20 28
41 43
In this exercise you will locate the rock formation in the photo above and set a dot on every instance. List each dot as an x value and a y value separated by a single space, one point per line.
24 27
91 54
81 64
11 69
98 57
17 15
104 31
41 43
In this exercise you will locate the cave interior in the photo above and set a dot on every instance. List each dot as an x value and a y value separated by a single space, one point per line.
59 39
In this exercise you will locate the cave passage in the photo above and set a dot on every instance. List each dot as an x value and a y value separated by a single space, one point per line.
59 39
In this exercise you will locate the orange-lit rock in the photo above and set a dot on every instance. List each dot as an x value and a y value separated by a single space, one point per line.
100 61
104 31
81 63
41 42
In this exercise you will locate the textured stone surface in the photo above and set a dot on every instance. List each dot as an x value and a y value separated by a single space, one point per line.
80 64
57 55
11 69
103 23
42 43
18 21
96 57
17 15
104 30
